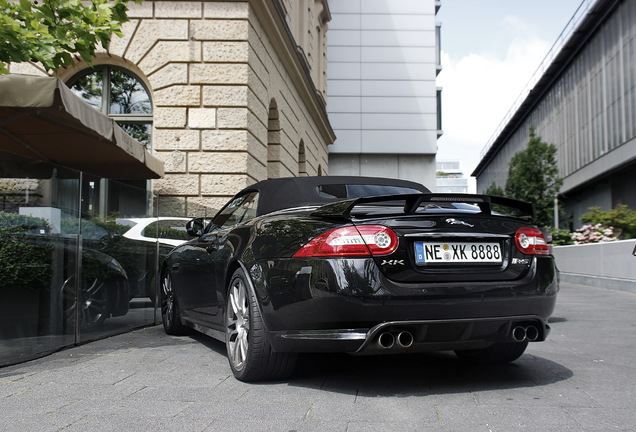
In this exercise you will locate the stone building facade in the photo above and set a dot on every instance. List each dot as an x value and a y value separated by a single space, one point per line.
237 90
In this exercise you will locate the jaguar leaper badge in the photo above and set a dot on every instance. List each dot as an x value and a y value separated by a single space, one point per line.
454 221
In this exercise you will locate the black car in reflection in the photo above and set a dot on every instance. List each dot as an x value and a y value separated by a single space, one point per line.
136 246
360 265
118 261
42 267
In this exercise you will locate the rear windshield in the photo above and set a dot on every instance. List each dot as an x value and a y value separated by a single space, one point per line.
361 190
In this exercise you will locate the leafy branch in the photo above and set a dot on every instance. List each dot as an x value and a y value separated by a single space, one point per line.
52 32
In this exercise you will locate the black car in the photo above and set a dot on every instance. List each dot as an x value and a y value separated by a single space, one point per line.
361 265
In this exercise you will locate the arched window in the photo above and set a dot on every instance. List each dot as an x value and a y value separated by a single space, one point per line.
122 96
119 94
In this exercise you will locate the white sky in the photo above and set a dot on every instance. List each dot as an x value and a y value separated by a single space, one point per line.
490 50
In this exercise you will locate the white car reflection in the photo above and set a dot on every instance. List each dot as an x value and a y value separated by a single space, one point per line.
167 230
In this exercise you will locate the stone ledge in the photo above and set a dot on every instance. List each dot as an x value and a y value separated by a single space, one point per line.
627 285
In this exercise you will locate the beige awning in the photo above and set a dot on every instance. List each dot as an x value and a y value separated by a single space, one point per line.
43 120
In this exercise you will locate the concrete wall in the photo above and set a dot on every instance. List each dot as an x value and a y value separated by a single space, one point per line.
609 265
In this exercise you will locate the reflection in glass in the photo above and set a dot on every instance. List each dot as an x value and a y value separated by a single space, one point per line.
90 88
48 302
127 95
139 131
120 95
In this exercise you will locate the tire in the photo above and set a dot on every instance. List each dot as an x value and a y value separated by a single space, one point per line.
170 316
248 350
93 302
495 354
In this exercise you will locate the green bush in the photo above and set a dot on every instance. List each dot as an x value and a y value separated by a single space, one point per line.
621 218
13 222
25 254
166 233
560 237
93 228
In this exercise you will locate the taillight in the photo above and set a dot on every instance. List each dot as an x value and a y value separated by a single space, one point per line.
352 241
531 241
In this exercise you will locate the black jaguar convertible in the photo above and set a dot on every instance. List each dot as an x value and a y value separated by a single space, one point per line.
361 265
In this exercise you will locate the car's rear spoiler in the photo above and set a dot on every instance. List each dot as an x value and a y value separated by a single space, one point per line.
488 204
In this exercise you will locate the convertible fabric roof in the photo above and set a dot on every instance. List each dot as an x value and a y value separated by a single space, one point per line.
42 120
294 191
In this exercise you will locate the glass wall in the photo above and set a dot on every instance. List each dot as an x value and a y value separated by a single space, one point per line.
78 257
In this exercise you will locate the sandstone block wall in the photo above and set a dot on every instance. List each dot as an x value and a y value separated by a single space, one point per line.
229 106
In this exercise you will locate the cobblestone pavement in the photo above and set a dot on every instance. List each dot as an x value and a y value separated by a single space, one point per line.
582 379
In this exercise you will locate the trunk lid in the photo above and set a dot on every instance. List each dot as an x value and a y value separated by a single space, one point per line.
444 237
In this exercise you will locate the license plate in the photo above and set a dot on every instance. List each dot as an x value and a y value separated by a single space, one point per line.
457 252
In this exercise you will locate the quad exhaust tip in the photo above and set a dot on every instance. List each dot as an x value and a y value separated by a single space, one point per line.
529 333
386 340
405 339
402 339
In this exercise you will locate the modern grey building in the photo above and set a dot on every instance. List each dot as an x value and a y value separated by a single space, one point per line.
382 62
585 104
450 178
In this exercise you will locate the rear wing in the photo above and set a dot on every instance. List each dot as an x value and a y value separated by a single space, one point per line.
411 203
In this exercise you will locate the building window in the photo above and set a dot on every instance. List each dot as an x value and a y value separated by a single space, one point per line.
302 160
438 47
119 94
439 112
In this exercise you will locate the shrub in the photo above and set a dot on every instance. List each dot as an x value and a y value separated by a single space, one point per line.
560 237
25 254
593 234
621 218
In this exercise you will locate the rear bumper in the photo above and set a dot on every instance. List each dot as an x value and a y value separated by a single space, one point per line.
348 305
410 336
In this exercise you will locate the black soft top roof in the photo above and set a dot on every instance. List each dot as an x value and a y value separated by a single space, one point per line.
290 192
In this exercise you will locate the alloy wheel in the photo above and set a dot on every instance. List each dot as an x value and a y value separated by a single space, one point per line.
92 302
238 324
167 304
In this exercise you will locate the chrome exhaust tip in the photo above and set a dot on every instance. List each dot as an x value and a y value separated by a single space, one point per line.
405 339
519 334
532 333
386 340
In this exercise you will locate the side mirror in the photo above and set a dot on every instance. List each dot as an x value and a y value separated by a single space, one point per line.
195 227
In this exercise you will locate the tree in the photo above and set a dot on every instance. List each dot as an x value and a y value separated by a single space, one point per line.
533 177
51 32
494 189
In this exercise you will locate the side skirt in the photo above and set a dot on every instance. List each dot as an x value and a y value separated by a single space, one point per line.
216 334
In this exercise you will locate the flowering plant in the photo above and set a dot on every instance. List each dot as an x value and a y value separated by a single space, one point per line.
594 234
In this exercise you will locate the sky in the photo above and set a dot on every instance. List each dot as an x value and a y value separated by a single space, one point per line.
490 51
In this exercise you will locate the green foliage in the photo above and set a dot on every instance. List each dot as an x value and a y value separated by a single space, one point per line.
620 218
560 237
51 32
13 222
493 189
166 233
93 228
533 177
25 256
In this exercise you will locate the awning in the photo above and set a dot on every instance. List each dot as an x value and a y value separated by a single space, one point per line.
42 120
